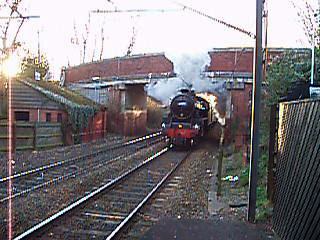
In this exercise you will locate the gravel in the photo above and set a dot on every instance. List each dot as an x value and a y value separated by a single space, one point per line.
39 205
189 199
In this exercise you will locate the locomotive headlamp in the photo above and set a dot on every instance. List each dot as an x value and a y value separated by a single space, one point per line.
180 126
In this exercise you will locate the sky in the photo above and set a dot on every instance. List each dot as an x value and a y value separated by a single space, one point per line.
173 31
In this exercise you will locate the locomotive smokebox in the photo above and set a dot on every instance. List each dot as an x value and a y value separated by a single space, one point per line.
182 106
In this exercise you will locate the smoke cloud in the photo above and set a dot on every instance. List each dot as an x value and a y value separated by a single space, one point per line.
189 67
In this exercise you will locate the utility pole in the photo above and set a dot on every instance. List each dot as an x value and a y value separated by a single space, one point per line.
255 122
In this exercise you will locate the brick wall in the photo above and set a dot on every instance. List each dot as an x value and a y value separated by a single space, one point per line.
39 115
238 123
127 113
241 102
96 127
238 60
120 67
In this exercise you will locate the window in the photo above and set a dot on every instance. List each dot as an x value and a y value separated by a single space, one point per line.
59 117
21 116
48 117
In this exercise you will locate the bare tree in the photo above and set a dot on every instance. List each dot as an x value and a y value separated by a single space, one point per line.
11 23
133 37
82 43
102 39
75 39
85 38
132 42
94 48
308 17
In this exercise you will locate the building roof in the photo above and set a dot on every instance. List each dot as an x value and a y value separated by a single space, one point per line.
51 96
25 97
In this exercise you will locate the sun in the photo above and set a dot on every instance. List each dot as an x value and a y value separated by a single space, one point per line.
11 66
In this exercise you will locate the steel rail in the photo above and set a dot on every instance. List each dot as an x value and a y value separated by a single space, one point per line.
60 178
121 226
57 179
59 163
39 226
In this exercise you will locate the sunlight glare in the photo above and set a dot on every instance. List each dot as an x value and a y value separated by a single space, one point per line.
12 66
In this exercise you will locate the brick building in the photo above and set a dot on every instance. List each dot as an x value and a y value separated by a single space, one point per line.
234 66
121 80
119 84
121 68
31 104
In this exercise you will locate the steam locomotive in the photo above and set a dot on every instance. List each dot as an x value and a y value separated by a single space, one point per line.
188 119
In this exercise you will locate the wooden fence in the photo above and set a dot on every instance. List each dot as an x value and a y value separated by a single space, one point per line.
32 135
297 193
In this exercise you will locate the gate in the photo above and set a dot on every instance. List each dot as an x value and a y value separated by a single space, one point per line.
297 193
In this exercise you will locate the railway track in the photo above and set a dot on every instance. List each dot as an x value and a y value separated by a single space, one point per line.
152 212
63 169
109 209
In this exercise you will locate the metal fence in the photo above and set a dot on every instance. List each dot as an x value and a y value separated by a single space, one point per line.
297 193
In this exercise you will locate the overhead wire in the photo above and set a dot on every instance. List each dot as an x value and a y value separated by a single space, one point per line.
250 34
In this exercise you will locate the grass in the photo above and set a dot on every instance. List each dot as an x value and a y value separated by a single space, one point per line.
233 166
264 208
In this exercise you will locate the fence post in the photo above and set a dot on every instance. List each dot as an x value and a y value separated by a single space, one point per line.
14 137
272 139
35 136
105 124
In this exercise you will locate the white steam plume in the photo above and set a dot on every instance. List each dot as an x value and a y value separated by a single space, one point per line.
165 89
189 67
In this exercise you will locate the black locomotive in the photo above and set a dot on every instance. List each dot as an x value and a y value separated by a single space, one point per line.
188 119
